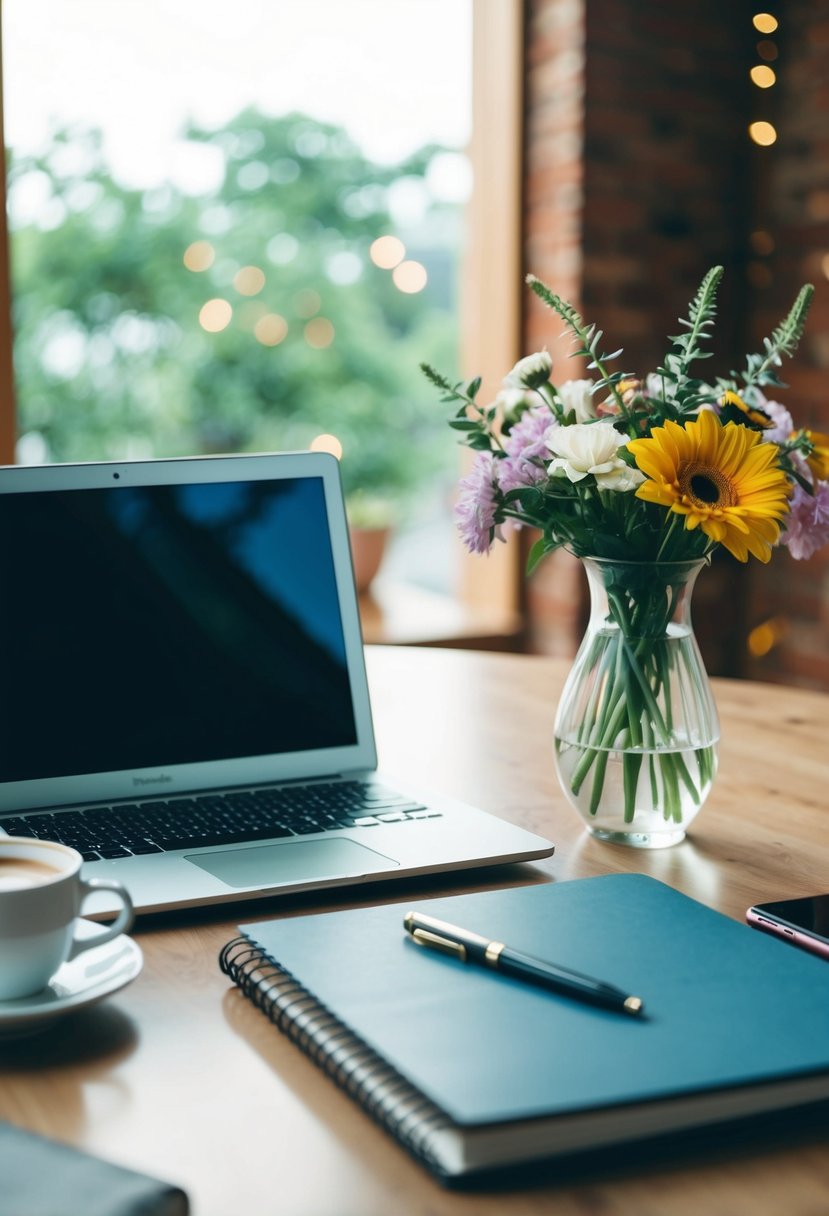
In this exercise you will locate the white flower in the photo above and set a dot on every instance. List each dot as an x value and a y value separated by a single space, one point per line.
513 403
530 372
577 395
587 449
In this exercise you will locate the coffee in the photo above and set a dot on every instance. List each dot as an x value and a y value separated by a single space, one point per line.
41 896
19 873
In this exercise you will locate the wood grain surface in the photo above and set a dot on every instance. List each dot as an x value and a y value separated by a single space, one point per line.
180 1077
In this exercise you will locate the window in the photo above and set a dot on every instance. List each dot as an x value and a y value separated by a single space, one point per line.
239 231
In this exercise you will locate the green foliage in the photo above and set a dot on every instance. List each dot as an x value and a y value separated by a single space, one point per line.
686 393
112 361
784 341
587 338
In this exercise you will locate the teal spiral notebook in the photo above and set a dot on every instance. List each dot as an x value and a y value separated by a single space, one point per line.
470 1070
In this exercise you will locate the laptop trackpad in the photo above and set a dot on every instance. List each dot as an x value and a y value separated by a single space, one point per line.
294 861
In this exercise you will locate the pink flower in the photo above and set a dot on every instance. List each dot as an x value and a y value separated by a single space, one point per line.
477 504
807 524
526 452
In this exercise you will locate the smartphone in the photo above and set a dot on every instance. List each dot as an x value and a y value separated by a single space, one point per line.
804 922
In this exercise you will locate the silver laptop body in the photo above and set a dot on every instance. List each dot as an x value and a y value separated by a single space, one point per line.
183 636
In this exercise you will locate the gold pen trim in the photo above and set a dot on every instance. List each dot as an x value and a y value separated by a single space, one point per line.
633 1004
424 938
492 954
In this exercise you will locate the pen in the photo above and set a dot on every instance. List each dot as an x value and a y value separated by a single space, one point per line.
472 948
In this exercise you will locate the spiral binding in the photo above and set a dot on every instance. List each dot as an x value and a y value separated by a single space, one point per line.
385 1095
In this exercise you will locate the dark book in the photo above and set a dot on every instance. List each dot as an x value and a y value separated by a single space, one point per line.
40 1177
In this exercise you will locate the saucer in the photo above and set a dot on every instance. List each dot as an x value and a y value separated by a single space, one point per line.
86 979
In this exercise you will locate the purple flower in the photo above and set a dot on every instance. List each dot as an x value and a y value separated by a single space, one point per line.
477 504
780 416
807 524
527 454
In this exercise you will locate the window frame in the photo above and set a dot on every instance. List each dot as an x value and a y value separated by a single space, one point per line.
491 322
7 394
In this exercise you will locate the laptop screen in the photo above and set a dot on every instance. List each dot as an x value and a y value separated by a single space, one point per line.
159 625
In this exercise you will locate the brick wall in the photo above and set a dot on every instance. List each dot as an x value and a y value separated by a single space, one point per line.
792 209
553 220
639 175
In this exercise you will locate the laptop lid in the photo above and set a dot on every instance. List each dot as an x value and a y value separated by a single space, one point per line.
177 625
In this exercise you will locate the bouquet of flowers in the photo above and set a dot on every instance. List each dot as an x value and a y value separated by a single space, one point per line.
649 476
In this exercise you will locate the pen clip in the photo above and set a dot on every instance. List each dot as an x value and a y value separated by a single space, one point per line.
424 938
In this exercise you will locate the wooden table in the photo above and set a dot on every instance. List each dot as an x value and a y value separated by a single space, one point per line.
180 1077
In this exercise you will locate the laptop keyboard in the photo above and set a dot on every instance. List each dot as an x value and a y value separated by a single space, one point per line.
159 826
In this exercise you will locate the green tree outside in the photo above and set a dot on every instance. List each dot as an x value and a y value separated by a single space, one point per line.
112 360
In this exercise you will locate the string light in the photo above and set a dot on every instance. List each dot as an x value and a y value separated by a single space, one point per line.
758 271
763 133
762 242
764 23
763 76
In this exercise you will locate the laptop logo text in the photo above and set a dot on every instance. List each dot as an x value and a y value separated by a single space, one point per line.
161 779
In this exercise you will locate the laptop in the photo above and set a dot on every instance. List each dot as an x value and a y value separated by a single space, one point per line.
184 695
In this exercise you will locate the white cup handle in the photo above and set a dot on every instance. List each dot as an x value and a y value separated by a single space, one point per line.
121 924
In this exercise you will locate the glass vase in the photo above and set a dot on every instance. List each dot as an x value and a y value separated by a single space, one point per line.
636 731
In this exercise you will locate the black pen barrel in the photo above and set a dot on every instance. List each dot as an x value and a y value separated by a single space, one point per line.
559 979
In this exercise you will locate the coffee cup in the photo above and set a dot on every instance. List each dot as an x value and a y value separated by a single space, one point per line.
41 895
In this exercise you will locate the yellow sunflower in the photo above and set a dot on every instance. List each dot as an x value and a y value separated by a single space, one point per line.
734 409
723 479
818 457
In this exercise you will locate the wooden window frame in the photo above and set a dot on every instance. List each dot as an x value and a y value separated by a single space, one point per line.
492 276
7 402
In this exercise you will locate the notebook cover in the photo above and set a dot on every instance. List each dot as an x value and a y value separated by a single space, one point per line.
726 1006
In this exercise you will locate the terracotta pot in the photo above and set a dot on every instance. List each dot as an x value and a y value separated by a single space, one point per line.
367 548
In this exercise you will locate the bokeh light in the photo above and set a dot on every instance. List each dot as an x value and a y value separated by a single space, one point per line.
199 256
327 443
764 637
817 204
763 76
270 329
387 252
215 315
763 133
319 333
410 277
762 242
249 281
764 23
